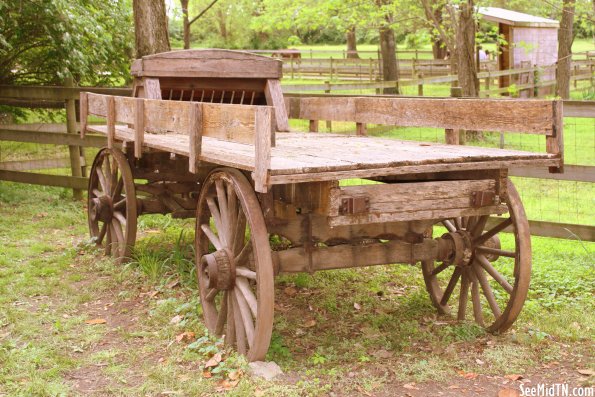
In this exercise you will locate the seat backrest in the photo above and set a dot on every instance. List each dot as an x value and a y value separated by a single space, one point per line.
213 76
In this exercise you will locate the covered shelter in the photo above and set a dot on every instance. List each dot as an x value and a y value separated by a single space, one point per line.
530 41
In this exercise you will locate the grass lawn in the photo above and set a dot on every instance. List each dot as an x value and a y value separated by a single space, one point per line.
74 323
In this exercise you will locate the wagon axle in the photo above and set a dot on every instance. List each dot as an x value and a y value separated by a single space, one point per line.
220 269
102 209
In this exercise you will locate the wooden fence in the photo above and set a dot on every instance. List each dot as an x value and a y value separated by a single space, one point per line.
66 134
528 82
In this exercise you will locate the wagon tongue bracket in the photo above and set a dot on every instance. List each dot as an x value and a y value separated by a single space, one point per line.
220 269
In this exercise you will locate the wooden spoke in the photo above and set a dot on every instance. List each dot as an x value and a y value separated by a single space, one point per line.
239 326
111 178
118 189
120 217
120 204
478 226
230 336
244 254
102 181
244 266
440 268
216 218
242 285
222 315
245 272
495 251
211 236
475 298
223 209
480 236
464 296
487 291
449 226
211 294
451 286
101 235
246 316
485 263
493 231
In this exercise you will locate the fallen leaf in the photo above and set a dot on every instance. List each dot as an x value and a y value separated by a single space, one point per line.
310 323
153 294
235 375
291 291
468 375
172 284
410 386
225 385
258 393
207 374
508 393
176 319
96 321
213 361
357 306
513 377
479 362
188 336
587 372
452 387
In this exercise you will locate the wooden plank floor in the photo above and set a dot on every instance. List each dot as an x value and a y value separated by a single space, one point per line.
314 153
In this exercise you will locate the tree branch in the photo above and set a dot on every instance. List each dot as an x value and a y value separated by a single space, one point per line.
202 12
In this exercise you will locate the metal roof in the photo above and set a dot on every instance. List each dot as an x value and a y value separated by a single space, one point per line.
513 18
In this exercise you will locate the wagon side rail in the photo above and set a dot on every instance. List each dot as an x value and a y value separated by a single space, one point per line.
541 117
244 124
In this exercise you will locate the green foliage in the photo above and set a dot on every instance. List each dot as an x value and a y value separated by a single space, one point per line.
45 41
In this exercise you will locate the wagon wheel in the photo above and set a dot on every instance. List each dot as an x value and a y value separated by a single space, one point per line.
497 271
234 264
112 204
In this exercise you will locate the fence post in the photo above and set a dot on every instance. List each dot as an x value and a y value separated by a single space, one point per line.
371 71
291 63
331 74
487 84
76 152
420 84
329 125
453 137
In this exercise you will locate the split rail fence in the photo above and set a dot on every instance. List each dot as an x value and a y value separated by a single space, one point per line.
66 135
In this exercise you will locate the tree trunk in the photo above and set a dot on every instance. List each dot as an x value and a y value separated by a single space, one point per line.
186 23
565 38
351 43
150 27
465 47
390 71
439 49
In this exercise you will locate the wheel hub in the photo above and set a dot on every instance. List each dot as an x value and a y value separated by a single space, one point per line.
462 248
101 209
220 269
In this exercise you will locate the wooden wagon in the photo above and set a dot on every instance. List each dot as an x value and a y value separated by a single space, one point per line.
207 136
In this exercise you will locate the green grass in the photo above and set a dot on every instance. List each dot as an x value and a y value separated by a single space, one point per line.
52 280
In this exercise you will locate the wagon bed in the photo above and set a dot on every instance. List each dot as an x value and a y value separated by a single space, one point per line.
299 155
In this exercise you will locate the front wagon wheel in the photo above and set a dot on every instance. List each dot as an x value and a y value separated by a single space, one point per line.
234 263
111 204
492 271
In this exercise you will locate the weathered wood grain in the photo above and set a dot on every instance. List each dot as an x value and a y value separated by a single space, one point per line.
83 113
262 149
139 127
274 97
207 63
533 117
195 137
111 120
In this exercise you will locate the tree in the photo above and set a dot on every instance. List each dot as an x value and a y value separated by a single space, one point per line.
187 22
565 39
150 27
465 49
46 41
